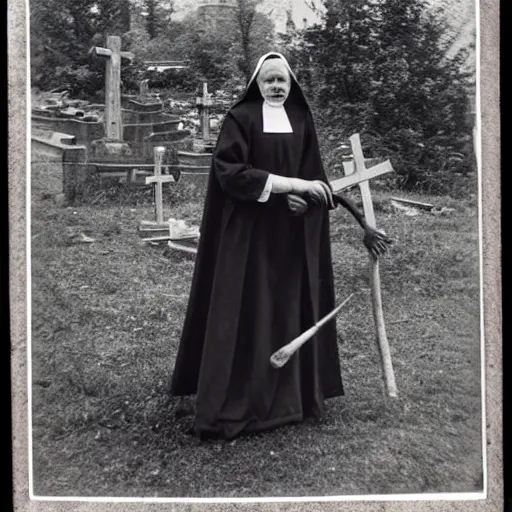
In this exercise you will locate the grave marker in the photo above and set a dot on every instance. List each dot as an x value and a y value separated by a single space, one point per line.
144 88
204 103
113 55
158 179
357 174
160 230
159 208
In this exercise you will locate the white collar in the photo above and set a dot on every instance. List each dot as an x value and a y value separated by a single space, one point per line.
275 119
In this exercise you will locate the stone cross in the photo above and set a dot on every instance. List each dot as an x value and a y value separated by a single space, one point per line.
204 103
356 173
113 54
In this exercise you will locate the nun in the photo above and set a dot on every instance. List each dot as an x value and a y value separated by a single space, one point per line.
263 271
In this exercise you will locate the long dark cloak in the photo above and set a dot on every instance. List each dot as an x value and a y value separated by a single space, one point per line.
262 276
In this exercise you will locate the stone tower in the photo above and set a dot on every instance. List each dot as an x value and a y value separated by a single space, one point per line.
218 14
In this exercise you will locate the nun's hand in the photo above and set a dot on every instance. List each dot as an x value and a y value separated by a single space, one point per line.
315 190
296 204
320 192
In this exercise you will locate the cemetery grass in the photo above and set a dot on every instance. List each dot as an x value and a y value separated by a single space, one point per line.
106 320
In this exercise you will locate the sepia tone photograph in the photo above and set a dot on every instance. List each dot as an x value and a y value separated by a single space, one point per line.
254 250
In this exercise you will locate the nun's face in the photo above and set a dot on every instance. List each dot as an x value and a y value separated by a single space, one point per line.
274 86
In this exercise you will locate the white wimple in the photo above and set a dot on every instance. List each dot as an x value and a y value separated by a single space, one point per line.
275 119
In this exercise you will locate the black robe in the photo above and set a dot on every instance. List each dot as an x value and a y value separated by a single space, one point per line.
262 277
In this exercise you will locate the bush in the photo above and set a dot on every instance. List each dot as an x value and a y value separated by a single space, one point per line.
81 81
387 77
183 80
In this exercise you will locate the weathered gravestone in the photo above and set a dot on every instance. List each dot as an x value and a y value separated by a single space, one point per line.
108 154
144 90
204 104
120 149
125 152
113 118
57 166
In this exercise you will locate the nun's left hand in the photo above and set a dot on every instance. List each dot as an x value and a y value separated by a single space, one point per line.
296 204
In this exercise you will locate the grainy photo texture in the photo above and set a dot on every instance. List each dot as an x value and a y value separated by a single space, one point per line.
254 250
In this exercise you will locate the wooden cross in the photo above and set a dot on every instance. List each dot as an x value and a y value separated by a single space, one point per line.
160 228
158 179
113 54
356 173
204 103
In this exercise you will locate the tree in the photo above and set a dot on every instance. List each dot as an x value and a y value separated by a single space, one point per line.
207 51
379 67
223 48
157 14
255 34
419 98
62 32
245 17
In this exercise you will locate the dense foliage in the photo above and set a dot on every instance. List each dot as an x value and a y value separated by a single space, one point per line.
377 67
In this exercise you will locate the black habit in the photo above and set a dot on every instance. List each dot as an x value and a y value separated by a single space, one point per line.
262 277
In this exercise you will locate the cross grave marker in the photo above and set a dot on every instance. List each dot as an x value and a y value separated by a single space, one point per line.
204 103
112 54
159 230
356 173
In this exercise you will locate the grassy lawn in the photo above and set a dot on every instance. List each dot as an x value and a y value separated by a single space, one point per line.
106 321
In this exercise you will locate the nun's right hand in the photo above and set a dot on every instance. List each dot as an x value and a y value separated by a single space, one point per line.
318 191
315 190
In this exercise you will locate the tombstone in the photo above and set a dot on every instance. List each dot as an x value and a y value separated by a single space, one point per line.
144 108
85 129
203 104
65 180
144 89
112 144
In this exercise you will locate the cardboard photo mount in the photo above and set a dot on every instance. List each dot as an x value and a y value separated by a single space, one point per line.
491 275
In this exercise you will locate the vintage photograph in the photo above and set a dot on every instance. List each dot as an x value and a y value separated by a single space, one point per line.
254 250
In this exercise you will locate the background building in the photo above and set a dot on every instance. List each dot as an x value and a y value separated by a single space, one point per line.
218 14
459 14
